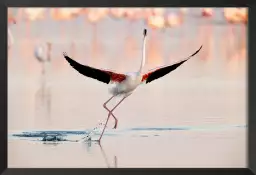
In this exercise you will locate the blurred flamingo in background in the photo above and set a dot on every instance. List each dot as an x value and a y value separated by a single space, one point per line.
64 14
155 54
130 46
83 11
94 15
158 11
146 12
96 50
231 46
236 15
174 20
139 13
31 15
207 12
43 54
131 15
155 21
205 33
229 14
117 13
11 20
184 10
242 14
69 14
235 50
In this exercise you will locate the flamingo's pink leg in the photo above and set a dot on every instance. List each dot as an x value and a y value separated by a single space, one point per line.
109 116
104 105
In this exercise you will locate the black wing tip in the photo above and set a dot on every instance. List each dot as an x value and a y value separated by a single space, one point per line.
173 67
197 51
65 55
200 48
145 32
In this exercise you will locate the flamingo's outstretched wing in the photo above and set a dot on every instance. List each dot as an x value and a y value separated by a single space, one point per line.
104 76
160 72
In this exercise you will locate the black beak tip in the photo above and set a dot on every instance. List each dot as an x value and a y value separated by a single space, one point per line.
145 32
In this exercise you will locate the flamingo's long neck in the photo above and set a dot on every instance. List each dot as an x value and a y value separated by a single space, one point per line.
143 52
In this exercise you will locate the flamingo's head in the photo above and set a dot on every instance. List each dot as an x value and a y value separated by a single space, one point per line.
39 53
145 32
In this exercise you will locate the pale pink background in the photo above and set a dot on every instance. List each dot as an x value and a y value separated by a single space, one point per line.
209 90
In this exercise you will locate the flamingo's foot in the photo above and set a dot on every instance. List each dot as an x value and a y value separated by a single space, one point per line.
115 125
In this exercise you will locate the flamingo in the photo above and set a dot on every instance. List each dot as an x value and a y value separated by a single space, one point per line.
11 20
184 10
232 15
94 15
39 54
33 14
173 20
155 21
207 12
124 84
244 13
158 11
117 13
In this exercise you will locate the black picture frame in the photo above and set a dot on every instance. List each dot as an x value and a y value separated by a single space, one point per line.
142 3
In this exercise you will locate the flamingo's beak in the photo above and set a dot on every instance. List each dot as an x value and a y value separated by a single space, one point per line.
145 32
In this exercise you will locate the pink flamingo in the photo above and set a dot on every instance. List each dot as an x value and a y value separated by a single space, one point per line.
207 12
64 14
117 13
94 15
174 20
131 14
236 15
243 13
158 11
11 20
156 21
124 84
33 14
40 55
183 10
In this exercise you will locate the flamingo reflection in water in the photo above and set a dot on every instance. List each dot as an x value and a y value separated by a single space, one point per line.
88 146
43 95
43 99
106 157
